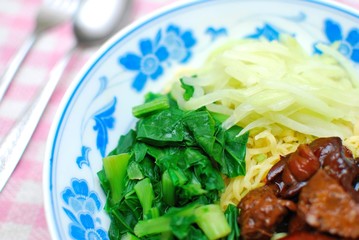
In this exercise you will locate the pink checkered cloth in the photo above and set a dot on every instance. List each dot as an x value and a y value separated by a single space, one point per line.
21 202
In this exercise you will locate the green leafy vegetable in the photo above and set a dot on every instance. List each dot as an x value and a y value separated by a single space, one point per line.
164 178
162 128
125 143
234 152
189 90
202 125
232 214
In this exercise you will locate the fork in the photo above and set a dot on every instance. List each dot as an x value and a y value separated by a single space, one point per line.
51 13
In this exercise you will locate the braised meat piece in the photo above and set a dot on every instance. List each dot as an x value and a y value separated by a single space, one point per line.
275 173
293 171
298 224
308 236
323 179
326 206
323 146
338 162
300 167
261 211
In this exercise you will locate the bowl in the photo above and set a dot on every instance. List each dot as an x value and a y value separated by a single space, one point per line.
145 57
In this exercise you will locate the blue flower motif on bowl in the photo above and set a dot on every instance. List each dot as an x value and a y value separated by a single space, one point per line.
80 199
86 229
148 64
215 33
104 120
84 158
178 43
174 44
268 31
349 45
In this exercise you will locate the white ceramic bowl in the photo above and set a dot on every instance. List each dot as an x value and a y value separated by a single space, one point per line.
143 57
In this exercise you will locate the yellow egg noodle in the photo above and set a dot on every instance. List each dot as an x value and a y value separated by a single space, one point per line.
263 151
279 93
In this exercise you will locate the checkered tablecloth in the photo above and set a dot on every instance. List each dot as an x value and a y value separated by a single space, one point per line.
21 202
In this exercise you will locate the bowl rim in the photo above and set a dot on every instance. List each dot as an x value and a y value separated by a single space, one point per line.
91 63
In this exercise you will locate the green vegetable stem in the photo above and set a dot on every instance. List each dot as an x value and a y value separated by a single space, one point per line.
129 236
212 221
115 169
145 194
157 104
168 189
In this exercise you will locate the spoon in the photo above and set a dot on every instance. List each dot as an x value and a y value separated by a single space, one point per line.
95 22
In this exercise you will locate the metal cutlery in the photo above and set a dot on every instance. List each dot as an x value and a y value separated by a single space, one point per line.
51 13
87 34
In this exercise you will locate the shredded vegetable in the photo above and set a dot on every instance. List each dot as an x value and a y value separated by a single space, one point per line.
257 84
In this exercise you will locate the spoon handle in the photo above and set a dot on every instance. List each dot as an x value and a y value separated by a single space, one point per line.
15 143
15 63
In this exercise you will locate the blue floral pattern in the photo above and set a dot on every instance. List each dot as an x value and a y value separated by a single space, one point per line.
86 229
103 85
268 31
349 45
149 63
83 159
178 43
215 33
82 205
80 199
104 120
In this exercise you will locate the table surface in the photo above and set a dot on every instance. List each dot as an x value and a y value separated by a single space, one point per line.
22 213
